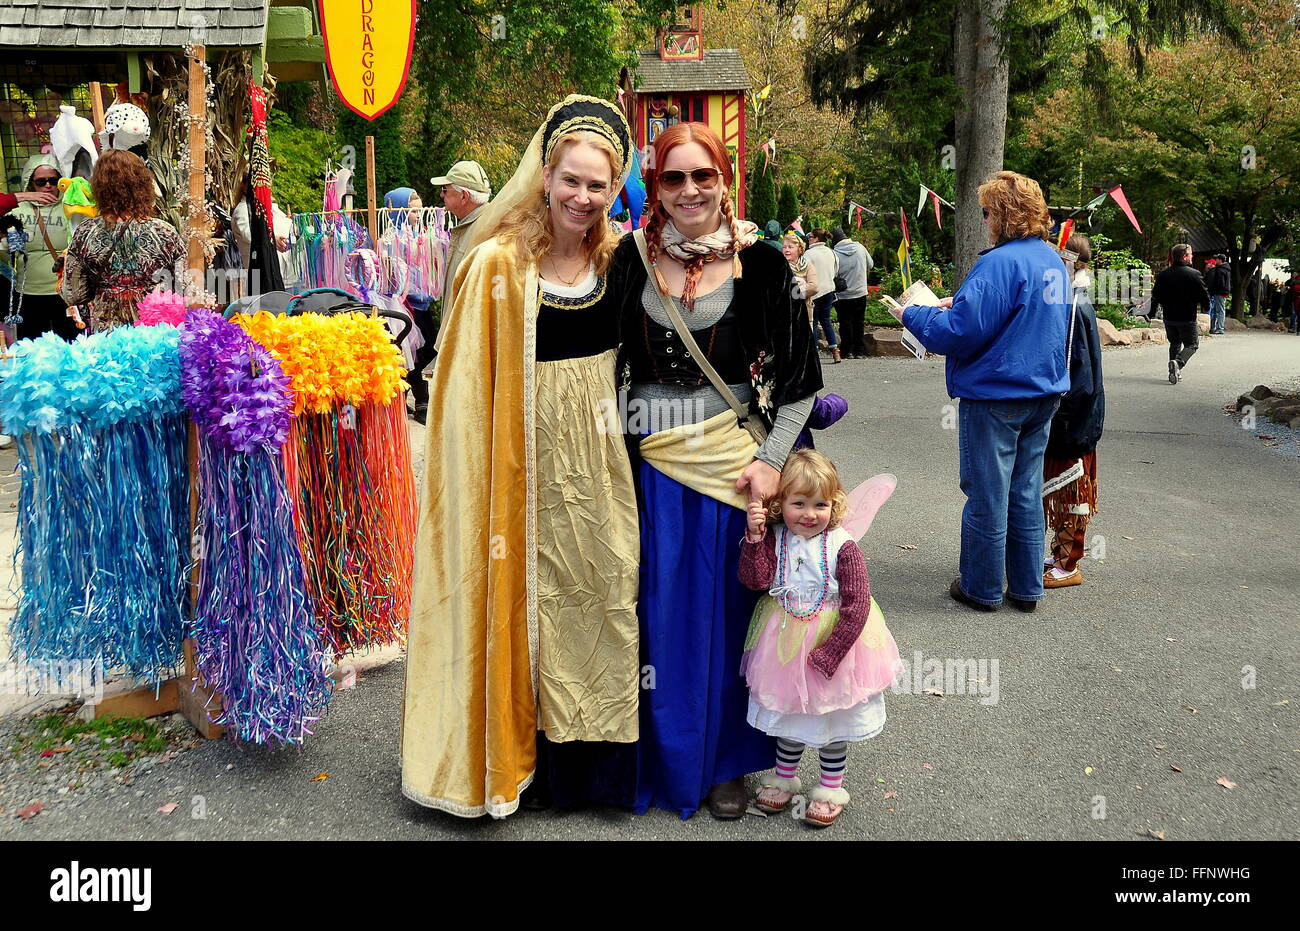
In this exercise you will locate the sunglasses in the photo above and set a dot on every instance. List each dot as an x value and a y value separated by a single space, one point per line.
705 179
42 182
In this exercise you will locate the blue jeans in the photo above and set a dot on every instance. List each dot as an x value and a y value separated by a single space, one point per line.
822 314
1217 306
1002 526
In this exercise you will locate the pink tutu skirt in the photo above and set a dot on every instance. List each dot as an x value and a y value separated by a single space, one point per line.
775 661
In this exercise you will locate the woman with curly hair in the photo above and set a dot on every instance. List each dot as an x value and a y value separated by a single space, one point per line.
121 255
738 348
1004 336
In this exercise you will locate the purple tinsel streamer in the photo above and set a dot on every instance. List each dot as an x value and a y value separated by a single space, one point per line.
258 641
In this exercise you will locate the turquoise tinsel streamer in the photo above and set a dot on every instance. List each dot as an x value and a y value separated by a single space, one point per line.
104 519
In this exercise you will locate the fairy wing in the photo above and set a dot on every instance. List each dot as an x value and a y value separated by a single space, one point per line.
864 501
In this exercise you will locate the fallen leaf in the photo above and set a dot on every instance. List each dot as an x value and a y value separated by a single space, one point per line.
905 546
167 809
30 811
879 780
1158 835
1175 768
1279 704
319 777
1264 436
891 795
751 810
1191 709
1087 770
1160 746
47 753
1137 787
927 766
938 692
1171 639
1126 538
1225 782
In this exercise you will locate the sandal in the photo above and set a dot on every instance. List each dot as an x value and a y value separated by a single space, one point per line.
822 814
773 800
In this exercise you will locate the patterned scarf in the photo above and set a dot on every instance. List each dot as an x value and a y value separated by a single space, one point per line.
259 155
698 252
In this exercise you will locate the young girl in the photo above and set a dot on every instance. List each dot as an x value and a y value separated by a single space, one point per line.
818 656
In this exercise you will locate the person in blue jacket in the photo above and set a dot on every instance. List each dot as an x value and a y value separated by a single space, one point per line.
1004 335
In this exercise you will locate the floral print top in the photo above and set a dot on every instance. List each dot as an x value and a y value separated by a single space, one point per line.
108 268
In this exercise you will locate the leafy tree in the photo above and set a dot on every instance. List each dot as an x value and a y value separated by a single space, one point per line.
299 153
1225 158
931 60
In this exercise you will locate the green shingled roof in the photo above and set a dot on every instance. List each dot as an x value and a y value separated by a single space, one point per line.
102 24
721 69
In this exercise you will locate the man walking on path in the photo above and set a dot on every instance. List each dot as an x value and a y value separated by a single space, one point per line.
826 263
1218 281
1180 290
851 294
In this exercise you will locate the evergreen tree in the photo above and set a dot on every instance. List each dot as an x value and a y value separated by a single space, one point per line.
761 204
390 151
787 206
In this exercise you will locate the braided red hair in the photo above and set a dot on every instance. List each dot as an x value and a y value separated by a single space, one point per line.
676 135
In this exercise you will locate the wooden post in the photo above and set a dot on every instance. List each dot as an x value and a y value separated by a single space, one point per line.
198 98
96 106
372 218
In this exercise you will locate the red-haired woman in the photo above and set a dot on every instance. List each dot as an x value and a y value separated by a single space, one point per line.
124 253
697 466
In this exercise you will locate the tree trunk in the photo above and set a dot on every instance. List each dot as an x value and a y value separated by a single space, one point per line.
981 70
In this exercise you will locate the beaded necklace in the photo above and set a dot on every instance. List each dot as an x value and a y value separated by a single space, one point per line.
788 599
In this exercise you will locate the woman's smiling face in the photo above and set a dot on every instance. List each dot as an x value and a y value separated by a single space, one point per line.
694 211
580 189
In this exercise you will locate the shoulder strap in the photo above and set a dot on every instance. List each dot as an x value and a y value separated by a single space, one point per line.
49 245
684 332
1069 340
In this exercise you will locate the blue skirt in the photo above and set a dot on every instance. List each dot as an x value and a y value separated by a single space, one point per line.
694 614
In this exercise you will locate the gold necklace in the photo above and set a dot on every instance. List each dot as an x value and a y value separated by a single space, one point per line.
564 281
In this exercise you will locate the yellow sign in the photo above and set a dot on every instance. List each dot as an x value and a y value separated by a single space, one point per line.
368 49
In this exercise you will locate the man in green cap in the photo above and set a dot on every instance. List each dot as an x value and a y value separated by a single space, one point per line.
465 191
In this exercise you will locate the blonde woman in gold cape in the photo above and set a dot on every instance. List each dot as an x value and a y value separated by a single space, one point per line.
524 618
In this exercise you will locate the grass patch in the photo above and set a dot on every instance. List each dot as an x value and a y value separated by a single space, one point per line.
132 738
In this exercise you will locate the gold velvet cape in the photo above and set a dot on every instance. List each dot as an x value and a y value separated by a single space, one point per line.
469 720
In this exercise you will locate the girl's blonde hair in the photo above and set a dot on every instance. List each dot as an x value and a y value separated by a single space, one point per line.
808 472
528 226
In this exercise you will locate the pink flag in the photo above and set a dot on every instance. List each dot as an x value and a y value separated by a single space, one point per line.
935 197
1118 194
903 217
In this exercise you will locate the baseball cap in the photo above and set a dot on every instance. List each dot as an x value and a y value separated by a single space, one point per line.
469 175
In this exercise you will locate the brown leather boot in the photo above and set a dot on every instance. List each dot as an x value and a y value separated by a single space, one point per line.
727 800
835 355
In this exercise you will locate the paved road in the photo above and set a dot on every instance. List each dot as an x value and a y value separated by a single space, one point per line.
1094 691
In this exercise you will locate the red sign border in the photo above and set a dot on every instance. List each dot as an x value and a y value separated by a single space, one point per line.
406 71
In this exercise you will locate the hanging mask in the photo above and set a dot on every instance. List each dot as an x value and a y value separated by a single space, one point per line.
125 126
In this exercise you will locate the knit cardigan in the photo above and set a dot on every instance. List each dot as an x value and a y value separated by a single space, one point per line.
758 570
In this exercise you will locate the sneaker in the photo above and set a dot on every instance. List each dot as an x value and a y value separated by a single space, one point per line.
1173 372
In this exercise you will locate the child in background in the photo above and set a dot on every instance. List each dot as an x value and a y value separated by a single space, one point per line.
818 656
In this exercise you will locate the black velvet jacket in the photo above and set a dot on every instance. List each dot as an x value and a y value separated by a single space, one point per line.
1077 426
783 362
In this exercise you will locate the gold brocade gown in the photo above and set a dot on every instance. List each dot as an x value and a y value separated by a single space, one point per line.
524 615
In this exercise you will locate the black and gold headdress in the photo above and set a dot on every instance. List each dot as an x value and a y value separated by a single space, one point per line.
578 113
